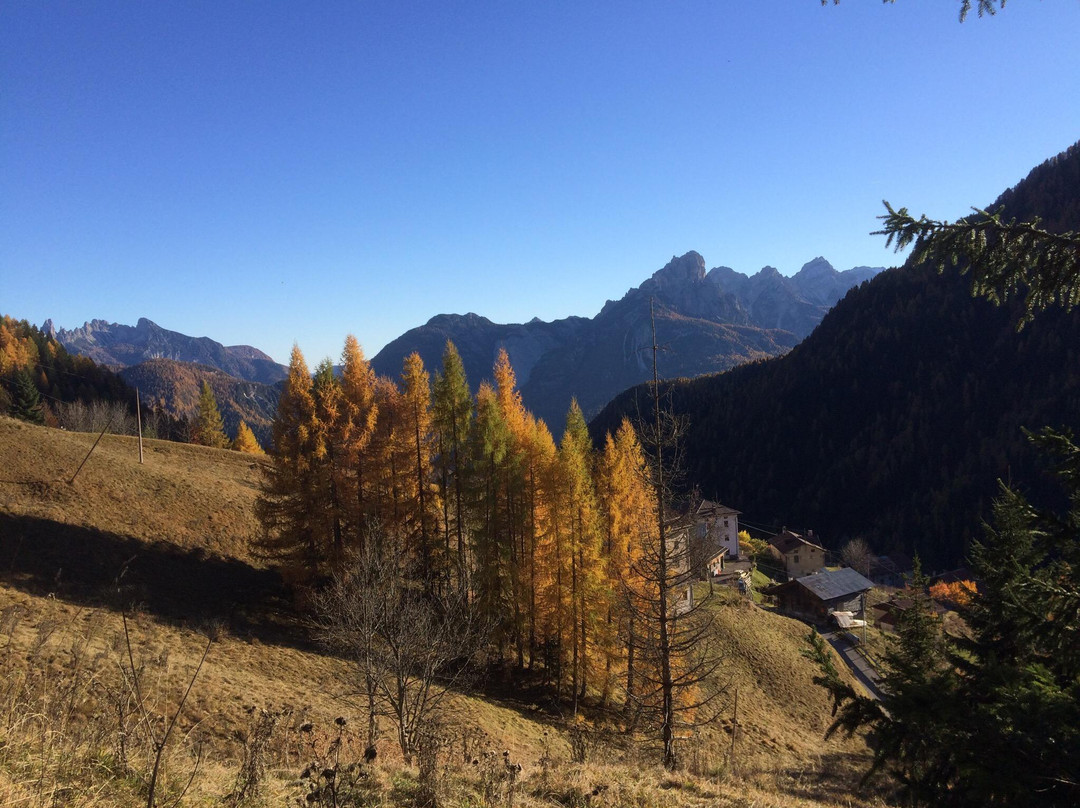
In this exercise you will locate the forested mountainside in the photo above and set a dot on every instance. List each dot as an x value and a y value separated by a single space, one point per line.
41 382
896 418
709 322
174 387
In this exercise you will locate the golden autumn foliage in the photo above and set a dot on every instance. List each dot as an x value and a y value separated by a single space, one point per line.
17 352
245 440
957 592
471 493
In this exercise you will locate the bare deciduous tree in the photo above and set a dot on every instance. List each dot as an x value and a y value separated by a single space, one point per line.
77 416
410 647
857 555
674 641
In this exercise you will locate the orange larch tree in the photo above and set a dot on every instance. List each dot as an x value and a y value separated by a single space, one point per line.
421 538
355 430
290 506
588 592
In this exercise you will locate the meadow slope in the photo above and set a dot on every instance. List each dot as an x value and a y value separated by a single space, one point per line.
172 537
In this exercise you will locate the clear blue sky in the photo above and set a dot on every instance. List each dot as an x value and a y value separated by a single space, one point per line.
270 172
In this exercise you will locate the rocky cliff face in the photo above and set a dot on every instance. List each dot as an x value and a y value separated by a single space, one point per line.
121 346
795 304
705 321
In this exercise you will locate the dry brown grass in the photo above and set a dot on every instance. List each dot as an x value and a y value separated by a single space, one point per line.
188 496
70 735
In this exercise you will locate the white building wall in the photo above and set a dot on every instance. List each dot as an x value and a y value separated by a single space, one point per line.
724 532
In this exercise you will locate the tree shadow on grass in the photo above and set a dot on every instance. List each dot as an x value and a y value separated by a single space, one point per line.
98 568
836 777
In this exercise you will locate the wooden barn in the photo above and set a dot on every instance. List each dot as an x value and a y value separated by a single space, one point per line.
815 597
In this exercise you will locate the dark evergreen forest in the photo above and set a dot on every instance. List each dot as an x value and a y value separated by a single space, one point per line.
896 418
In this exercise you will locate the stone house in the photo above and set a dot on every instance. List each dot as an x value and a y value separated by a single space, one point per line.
799 555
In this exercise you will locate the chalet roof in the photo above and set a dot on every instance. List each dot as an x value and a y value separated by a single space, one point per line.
787 540
710 508
715 553
833 584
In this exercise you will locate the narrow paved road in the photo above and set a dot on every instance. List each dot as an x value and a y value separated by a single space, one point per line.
856 661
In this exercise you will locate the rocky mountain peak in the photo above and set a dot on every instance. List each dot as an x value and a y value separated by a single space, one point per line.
123 346
818 268
679 271
450 320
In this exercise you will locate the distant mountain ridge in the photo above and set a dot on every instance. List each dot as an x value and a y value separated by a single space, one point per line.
174 385
896 418
706 321
121 346
796 304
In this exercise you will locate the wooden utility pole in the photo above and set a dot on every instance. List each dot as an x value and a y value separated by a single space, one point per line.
138 418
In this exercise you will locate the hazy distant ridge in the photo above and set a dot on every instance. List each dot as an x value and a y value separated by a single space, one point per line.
121 346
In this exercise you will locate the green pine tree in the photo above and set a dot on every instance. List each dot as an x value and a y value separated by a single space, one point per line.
452 411
1021 667
25 398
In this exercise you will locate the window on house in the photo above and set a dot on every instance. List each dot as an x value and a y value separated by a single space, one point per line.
796 559
725 522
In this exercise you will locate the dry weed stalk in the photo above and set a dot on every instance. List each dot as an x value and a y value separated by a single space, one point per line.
499 777
157 739
250 777
336 775
43 743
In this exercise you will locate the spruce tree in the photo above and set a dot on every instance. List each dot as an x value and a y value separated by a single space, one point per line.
1021 666
25 399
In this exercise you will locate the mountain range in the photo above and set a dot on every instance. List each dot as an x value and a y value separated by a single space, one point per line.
121 346
706 321
895 420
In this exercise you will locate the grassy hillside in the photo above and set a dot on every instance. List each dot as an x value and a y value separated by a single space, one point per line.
171 535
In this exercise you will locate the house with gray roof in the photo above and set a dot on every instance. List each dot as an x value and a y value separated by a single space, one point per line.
815 597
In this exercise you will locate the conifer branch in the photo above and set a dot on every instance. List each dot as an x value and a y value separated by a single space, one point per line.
987 7
1004 258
